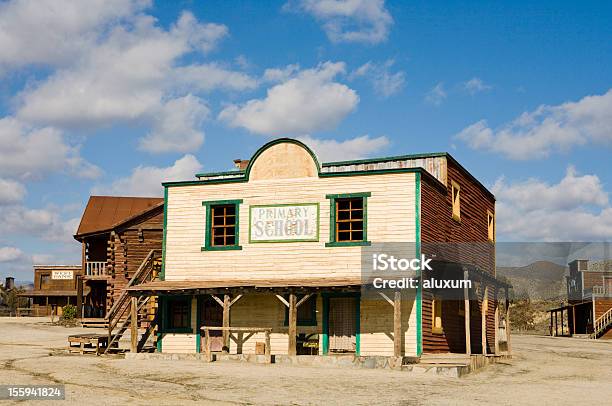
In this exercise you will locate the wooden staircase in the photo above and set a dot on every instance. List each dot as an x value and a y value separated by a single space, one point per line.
119 316
602 324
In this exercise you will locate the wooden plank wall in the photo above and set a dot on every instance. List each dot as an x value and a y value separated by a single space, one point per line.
439 232
127 250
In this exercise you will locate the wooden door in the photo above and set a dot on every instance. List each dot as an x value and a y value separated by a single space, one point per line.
342 324
211 315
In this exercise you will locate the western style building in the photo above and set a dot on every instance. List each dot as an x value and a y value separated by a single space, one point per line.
268 259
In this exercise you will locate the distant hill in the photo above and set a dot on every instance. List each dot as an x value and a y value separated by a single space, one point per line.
541 280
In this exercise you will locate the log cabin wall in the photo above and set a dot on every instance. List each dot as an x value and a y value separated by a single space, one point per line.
129 245
463 242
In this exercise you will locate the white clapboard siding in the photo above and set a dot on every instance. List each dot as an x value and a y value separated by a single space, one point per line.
390 218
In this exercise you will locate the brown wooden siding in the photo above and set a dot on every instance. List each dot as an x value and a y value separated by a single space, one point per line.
464 242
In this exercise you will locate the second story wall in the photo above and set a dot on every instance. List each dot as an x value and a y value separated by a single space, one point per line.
284 173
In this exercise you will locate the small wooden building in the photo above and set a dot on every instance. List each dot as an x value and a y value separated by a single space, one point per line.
117 234
270 257
55 286
589 305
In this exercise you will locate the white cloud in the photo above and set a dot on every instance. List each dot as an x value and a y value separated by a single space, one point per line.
366 21
207 77
55 32
11 192
328 150
44 223
575 209
176 128
547 129
475 85
29 152
436 95
384 82
281 74
304 103
147 180
9 254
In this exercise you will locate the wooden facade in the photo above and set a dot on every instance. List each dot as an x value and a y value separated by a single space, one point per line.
55 286
260 285
117 235
589 301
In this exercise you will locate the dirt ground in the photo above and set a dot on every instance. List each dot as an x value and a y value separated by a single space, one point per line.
544 371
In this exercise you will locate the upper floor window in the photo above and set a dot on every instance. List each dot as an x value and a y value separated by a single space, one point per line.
348 219
456 200
491 225
222 225
44 281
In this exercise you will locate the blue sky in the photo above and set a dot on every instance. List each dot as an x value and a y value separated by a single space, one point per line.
115 96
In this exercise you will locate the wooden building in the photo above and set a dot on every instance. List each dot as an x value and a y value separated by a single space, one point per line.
117 235
589 308
236 272
55 286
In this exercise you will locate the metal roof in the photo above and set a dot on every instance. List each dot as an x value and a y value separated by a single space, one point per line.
102 213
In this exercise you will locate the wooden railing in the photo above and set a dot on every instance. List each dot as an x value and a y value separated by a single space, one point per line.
118 316
602 323
95 268
252 330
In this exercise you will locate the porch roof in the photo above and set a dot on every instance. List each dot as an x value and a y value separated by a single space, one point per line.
32 293
178 287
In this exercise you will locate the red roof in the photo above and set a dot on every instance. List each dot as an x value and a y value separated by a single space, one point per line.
102 213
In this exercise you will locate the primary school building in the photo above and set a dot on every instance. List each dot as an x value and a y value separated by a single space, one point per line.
267 259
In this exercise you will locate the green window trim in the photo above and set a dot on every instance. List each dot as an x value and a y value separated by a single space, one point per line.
165 305
332 220
208 232
312 321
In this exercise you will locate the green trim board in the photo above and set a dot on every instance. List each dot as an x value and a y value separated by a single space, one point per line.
314 239
419 298
162 274
325 328
208 226
223 173
332 220
385 159
165 305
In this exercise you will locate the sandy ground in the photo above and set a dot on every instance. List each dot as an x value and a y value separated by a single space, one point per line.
544 371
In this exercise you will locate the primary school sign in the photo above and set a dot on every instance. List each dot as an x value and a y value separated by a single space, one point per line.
284 223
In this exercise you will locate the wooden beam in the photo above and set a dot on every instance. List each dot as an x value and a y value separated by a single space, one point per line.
282 299
268 350
134 325
466 298
234 300
508 321
387 298
226 322
483 315
302 300
207 346
573 320
397 324
292 350
217 300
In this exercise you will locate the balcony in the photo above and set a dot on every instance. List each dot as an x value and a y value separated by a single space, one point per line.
95 268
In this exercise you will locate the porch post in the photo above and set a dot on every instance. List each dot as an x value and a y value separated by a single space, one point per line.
134 325
483 316
496 326
466 298
551 323
292 350
397 324
508 320
573 320
226 322
79 298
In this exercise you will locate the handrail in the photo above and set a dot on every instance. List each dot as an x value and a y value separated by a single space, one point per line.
143 268
601 323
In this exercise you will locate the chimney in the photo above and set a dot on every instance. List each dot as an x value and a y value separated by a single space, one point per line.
241 163
9 284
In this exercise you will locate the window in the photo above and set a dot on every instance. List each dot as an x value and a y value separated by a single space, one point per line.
436 313
348 219
306 313
491 225
456 196
178 314
44 281
222 225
